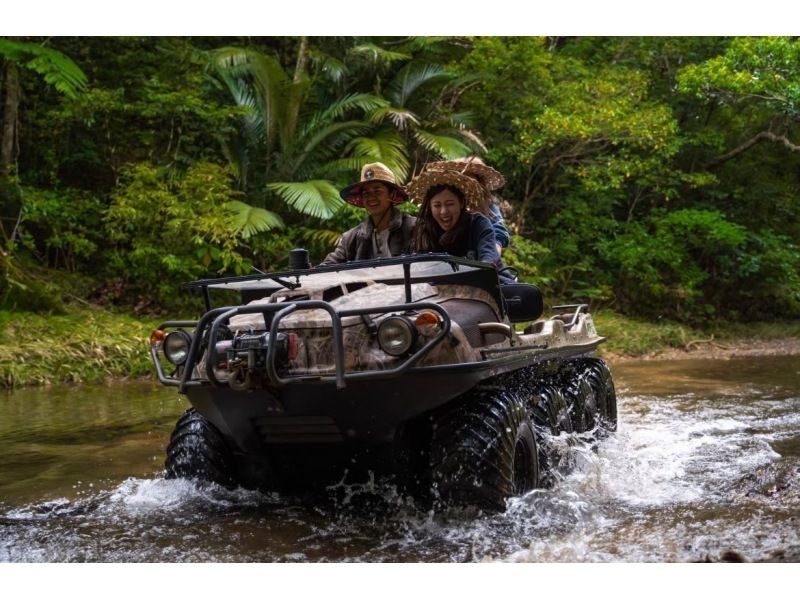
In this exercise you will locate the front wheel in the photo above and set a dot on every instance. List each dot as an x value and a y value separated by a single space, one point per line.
483 451
197 450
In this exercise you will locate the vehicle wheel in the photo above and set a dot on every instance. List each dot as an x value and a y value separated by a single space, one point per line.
581 400
602 384
550 412
197 450
590 392
483 451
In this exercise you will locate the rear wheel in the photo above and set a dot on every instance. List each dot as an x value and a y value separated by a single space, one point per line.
484 451
602 384
197 450
590 392
550 415
582 403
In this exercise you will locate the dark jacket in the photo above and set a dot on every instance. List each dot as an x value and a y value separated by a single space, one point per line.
481 240
481 245
356 244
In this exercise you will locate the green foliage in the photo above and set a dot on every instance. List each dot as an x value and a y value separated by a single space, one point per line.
24 290
169 231
655 175
695 264
56 68
761 70
524 256
64 225
318 198
82 345
633 336
768 278
283 131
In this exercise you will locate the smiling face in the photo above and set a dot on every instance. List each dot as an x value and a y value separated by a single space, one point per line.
377 199
445 209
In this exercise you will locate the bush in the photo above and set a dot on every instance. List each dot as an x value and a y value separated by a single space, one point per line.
167 231
693 265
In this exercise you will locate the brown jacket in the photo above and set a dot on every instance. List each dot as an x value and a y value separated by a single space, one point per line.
356 244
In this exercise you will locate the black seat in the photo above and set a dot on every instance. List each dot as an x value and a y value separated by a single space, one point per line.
523 301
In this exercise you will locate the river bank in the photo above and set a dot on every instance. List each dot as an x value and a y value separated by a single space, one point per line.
91 344
712 349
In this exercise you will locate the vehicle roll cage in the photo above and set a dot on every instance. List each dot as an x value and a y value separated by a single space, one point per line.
478 274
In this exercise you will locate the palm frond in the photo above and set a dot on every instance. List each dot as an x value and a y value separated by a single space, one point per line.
377 54
364 101
328 140
249 220
427 41
270 82
342 165
472 138
461 119
400 117
57 69
385 146
319 240
243 96
332 67
445 146
295 96
318 198
411 77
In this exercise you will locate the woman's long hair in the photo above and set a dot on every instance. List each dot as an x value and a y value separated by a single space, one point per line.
430 237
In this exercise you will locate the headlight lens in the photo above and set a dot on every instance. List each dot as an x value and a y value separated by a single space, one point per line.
176 346
396 335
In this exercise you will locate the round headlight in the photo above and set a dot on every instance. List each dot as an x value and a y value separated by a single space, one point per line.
396 335
176 346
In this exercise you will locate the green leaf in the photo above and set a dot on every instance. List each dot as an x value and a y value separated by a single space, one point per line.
377 54
401 117
447 147
57 69
385 146
318 198
413 76
249 220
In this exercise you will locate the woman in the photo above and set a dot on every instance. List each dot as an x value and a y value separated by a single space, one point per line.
450 217
491 180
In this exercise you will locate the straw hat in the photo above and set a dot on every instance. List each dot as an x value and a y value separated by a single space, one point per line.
475 167
371 173
476 200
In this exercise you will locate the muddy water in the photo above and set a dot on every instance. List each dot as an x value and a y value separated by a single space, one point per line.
706 465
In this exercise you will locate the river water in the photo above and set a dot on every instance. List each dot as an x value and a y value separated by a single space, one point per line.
705 466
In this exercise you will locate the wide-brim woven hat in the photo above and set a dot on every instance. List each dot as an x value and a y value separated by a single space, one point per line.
474 193
475 167
376 172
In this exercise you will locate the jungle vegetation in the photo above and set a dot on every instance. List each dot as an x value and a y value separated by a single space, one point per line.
655 177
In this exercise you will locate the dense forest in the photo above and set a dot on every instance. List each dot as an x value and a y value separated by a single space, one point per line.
654 176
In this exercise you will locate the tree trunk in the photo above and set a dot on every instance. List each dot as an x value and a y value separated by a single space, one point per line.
302 59
10 113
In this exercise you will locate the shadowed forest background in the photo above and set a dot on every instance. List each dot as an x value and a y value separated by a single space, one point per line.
650 176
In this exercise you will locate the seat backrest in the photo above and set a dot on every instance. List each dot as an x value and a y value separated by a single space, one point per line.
523 301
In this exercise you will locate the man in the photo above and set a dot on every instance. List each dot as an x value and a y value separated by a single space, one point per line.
387 231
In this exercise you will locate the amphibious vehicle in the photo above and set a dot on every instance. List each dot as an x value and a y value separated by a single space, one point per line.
422 368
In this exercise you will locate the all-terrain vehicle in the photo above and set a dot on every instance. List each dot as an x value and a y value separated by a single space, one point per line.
412 367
